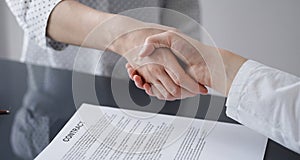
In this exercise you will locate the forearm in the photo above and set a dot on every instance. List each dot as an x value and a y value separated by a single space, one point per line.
223 73
72 22
222 67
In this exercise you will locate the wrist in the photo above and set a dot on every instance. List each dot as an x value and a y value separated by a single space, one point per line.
123 33
133 40
232 63
109 33
133 33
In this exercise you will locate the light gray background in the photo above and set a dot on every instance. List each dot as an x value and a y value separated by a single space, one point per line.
11 35
266 31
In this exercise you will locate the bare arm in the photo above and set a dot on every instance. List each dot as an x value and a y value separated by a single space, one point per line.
72 22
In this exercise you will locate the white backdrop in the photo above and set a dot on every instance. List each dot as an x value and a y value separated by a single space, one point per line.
267 31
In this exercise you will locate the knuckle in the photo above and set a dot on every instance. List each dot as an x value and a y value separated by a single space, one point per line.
149 40
154 69
172 30
156 83
160 97
178 81
169 97
176 91
170 33
150 94
173 99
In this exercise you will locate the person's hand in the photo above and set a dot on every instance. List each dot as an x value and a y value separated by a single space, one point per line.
196 66
210 66
167 77
164 77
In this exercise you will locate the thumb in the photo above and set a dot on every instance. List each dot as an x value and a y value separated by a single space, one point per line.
153 42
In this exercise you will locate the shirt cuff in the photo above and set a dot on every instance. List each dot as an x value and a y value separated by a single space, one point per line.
41 38
33 17
238 88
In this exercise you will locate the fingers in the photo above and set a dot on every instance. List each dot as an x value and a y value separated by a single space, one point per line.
172 41
156 93
170 86
138 81
128 65
131 71
148 89
158 85
181 45
173 84
165 90
166 86
160 88
183 80
159 91
203 89
173 89
135 77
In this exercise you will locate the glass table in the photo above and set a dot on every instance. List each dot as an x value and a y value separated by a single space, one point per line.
41 106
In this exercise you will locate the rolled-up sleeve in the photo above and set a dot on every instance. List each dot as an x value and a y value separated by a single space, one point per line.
32 16
267 100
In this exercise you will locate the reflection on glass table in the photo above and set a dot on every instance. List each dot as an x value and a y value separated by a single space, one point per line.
41 102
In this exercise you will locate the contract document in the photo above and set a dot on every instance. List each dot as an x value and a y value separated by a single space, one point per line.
105 133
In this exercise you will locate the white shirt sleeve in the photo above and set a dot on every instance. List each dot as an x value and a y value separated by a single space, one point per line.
267 100
32 16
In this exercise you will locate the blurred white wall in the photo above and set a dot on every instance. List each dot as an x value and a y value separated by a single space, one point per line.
11 35
267 31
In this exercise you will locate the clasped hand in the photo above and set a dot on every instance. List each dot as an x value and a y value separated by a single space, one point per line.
157 69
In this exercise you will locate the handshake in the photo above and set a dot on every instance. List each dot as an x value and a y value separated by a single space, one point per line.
161 60
170 65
